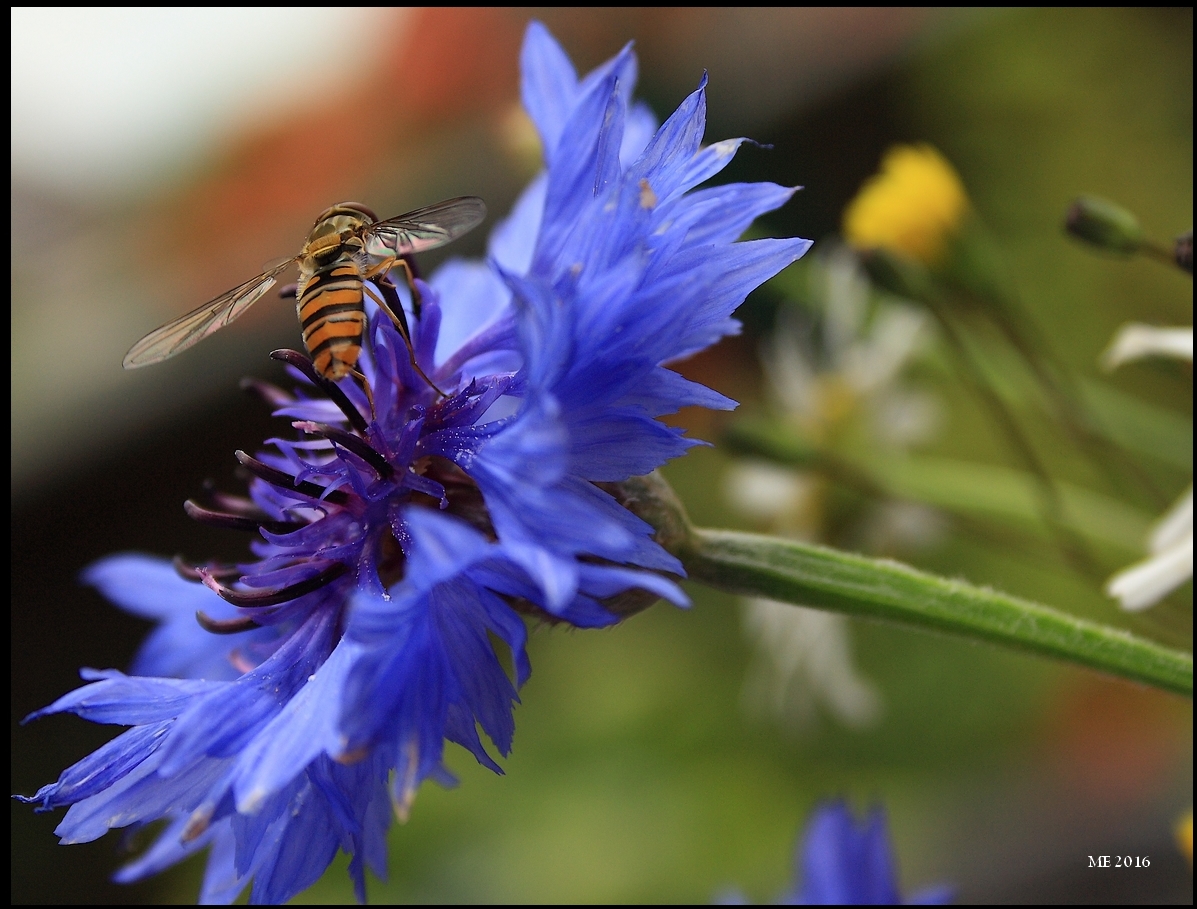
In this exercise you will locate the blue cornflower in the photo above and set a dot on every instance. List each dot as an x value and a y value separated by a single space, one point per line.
413 520
841 863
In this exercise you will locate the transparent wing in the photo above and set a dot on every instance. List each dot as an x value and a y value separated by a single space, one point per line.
175 337
425 228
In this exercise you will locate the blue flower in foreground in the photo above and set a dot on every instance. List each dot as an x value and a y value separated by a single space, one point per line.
402 531
842 864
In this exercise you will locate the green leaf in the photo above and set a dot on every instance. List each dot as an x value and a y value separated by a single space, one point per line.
1140 426
1005 493
987 491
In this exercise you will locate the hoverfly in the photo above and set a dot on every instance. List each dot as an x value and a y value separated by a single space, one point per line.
347 246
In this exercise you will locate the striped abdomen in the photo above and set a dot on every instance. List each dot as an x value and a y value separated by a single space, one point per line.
332 317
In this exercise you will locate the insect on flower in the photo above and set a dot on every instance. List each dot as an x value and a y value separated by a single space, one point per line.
347 246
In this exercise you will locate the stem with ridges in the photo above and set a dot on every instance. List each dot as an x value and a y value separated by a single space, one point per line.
823 578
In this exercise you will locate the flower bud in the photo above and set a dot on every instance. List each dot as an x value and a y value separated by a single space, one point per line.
1104 224
653 500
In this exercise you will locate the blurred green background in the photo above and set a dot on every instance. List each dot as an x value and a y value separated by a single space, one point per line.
636 775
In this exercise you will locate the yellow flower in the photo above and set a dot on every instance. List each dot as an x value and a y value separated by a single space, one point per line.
1184 836
912 207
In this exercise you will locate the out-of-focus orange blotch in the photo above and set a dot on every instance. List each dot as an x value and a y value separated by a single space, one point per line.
1116 741
732 368
438 67
454 62
1184 837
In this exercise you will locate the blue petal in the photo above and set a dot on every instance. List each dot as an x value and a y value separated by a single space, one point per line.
104 767
549 85
664 162
607 581
737 269
485 688
513 241
843 865
140 796
150 587
639 128
615 446
708 162
169 849
588 161
303 730
476 297
221 724
300 849
128 700
663 391
426 655
546 333
442 548
720 214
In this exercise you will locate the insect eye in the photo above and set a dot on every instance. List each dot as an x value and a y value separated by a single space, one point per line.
343 208
358 207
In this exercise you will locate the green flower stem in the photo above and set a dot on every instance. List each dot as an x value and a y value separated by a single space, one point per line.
822 578
815 576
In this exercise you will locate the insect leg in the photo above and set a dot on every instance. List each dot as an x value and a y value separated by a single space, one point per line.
393 307
410 273
360 380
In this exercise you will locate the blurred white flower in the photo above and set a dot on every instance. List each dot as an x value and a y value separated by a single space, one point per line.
1170 564
859 363
895 525
1171 542
779 497
1136 340
803 657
